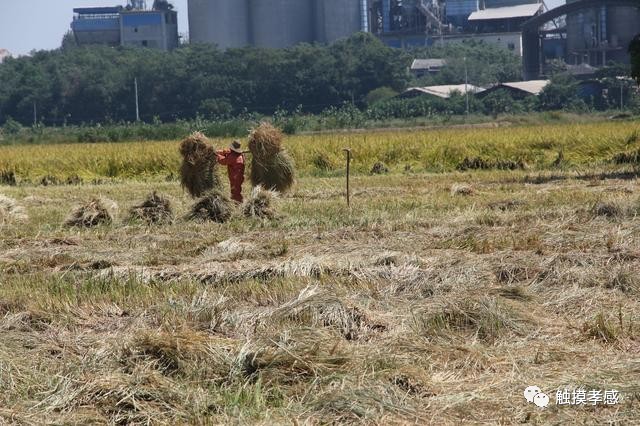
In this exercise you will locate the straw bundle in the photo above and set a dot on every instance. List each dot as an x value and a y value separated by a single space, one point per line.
89 215
213 206
198 171
154 209
271 166
9 209
265 140
260 203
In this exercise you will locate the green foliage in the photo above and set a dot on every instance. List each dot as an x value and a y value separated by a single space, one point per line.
12 127
561 93
500 102
485 64
380 94
95 84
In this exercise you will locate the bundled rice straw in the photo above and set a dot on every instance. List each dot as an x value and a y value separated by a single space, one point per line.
260 204
265 140
154 209
9 209
198 171
271 166
213 206
89 215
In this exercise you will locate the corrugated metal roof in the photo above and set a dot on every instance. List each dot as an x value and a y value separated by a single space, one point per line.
445 91
532 86
521 11
425 64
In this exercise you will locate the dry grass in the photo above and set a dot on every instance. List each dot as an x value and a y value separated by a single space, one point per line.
412 307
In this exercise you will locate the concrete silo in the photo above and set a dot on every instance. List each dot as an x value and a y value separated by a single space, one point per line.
599 35
336 19
623 24
223 22
282 23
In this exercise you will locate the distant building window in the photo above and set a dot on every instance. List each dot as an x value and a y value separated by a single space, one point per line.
145 43
135 30
511 46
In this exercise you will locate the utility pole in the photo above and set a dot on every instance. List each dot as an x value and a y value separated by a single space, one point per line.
466 83
621 95
135 84
35 114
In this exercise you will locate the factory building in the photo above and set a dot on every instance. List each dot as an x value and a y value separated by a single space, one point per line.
274 23
399 23
599 35
133 25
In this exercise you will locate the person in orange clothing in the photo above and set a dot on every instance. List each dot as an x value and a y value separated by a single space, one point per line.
233 158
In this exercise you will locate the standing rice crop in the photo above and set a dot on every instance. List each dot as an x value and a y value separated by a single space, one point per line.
198 171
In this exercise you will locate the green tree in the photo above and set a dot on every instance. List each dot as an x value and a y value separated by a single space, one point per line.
380 94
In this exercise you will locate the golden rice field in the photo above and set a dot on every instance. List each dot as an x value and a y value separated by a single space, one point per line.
431 151
437 298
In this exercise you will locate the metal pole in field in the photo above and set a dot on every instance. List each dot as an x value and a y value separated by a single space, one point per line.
466 83
348 152
135 84
35 114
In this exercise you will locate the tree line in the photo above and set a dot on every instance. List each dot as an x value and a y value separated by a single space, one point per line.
95 84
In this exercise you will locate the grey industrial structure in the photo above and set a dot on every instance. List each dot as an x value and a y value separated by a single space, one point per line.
594 33
589 32
133 25
274 23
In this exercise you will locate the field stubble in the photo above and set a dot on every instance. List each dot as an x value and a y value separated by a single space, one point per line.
424 303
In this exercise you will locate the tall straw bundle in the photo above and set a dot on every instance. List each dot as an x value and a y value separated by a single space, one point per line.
213 206
198 172
271 167
265 140
276 173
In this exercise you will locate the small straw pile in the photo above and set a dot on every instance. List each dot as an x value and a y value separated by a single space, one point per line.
9 209
198 171
155 209
213 206
271 166
260 203
89 215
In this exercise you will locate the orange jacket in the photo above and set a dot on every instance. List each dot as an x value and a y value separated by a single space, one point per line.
235 167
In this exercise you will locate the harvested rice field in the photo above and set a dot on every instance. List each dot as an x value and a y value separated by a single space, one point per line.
436 298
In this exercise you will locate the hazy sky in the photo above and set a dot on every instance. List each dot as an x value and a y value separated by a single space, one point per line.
26 25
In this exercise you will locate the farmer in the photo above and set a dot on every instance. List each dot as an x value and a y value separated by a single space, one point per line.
233 158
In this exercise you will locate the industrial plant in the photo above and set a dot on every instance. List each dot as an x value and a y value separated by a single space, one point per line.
587 33
133 25
590 32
